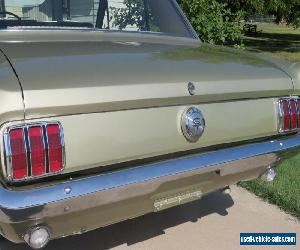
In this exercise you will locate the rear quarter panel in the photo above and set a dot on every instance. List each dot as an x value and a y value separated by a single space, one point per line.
294 71
11 101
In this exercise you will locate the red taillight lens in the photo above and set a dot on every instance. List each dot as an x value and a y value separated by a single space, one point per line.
18 154
289 114
286 119
55 148
34 151
298 111
37 151
293 112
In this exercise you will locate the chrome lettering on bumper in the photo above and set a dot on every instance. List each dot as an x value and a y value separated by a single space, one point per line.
176 200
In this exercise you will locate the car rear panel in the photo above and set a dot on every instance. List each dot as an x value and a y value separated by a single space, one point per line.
101 139
120 97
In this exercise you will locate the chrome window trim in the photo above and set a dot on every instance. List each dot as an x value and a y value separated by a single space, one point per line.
8 154
194 36
185 19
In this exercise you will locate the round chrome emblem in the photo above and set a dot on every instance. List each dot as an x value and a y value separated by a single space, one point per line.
192 124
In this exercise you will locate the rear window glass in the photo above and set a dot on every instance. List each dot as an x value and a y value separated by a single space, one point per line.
160 16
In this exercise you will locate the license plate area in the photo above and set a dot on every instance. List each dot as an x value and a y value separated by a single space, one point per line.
177 199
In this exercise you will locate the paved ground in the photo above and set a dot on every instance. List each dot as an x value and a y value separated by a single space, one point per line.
215 222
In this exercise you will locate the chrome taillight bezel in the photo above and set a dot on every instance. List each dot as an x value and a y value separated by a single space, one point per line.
280 115
8 154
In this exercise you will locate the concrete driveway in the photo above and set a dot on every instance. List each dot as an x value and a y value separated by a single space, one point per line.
215 222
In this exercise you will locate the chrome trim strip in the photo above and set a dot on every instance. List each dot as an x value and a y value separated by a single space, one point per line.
27 151
45 134
101 31
279 116
7 154
18 200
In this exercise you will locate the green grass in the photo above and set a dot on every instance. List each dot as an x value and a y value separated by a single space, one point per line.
283 42
284 191
276 40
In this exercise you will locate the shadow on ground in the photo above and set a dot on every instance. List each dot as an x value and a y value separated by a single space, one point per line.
140 229
273 42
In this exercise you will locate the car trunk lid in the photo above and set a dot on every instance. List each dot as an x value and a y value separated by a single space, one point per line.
84 72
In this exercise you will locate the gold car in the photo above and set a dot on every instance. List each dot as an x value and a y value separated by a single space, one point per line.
114 109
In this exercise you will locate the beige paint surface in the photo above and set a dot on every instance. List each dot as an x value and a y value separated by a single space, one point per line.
66 73
120 101
12 106
101 139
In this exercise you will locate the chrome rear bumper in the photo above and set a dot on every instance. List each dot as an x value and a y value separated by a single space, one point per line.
135 191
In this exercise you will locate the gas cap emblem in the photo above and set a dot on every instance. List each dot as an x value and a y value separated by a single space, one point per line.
192 124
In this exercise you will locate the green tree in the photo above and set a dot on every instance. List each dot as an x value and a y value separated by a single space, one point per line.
214 21
135 13
283 10
286 10
218 21
131 14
